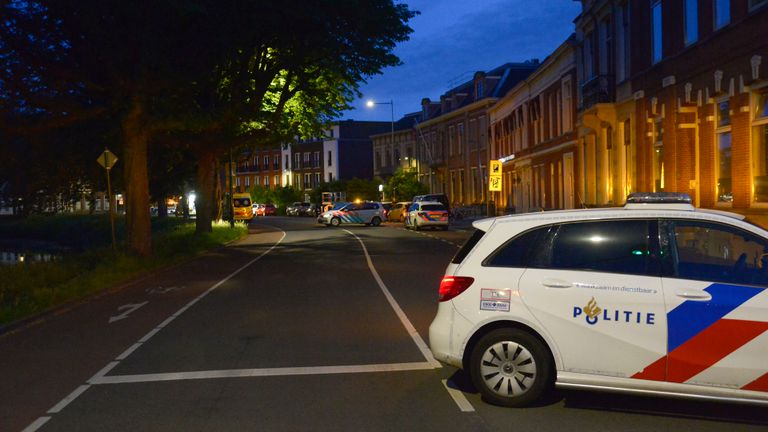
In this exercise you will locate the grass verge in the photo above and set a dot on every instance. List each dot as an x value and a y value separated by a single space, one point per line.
29 289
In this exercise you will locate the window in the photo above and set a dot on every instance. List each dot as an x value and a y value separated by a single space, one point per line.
588 56
317 159
723 152
468 245
306 160
754 4
287 162
567 107
460 138
330 163
622 44
760 148
277 181
718 253
516 252
722 12
317 179
656 31
330 177
307 181
237 181
266 181
451 141
247 181
266 162
691 21
617 246
658 155
296 160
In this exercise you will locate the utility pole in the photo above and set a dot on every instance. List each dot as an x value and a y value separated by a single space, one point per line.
230 206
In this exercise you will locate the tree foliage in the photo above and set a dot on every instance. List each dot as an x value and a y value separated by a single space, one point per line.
215 75
404 185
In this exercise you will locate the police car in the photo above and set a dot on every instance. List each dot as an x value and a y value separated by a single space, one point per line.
367 213
656 298
424 214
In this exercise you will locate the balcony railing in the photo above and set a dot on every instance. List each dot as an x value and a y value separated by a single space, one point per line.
599 89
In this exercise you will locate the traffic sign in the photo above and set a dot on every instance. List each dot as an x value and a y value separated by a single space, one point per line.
107 159
494 183
495 167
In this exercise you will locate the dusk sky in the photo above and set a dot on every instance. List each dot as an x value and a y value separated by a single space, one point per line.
452 39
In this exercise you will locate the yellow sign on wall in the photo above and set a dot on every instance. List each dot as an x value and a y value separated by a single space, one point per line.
494 183
495 168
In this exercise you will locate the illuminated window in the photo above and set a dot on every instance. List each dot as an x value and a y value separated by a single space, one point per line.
658 156
760 149
723 153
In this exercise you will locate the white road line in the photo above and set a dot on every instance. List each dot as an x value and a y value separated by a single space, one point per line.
100 374
459 398
37 424
67 400
264 372
398 311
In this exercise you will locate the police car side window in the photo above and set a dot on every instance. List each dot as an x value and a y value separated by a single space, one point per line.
517 251
619 246
718 253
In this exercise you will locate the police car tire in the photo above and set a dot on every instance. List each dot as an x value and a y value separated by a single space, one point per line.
335 221
376 221
532 347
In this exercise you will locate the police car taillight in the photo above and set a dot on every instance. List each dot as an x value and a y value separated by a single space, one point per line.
451 286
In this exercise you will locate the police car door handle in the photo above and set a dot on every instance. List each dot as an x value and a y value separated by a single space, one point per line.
693 294
556 283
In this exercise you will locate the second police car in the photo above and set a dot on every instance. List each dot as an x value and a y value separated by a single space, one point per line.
366 212
657 298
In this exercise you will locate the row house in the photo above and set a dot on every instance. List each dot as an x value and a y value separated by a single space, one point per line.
258 167
396 149
452 135
673 98
344 152
533 133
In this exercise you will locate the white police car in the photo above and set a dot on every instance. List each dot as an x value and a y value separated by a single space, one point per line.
367 213
657 298
426 214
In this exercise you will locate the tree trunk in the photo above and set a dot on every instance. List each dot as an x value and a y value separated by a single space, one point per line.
136 179
217 199
205 191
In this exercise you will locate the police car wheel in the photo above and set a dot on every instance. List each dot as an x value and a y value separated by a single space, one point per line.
335 221
376 221
511 367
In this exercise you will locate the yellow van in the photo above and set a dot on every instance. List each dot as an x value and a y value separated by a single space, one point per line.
241 203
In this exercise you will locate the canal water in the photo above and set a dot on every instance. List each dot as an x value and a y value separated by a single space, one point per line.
15 252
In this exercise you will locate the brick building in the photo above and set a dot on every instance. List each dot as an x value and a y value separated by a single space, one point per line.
258 167
453 134
397 148
673 98
533 134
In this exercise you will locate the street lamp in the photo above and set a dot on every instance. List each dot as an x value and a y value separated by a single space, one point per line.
391 103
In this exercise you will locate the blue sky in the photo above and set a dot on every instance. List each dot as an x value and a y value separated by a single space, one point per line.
452 39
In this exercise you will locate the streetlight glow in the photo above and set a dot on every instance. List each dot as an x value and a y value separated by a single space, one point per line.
370 103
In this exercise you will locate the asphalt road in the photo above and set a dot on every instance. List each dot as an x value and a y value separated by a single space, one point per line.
297 328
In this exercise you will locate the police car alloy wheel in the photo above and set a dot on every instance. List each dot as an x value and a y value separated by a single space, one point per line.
335 221
511 368
376 221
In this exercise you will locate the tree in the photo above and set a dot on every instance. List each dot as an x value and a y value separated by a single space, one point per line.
404 185
221 74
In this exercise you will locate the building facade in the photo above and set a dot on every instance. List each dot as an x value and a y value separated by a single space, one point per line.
258 167
396 149
533 133
673 98
452 137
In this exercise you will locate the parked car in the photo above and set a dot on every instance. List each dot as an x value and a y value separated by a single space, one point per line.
367 213
398 211
655 298
266 210
426 214
387 206
297 209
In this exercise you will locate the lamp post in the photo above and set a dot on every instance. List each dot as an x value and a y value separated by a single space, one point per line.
391 103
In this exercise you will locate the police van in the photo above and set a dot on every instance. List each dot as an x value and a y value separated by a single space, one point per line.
657 298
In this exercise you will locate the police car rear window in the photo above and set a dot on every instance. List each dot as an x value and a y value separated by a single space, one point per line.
468 245
433 207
